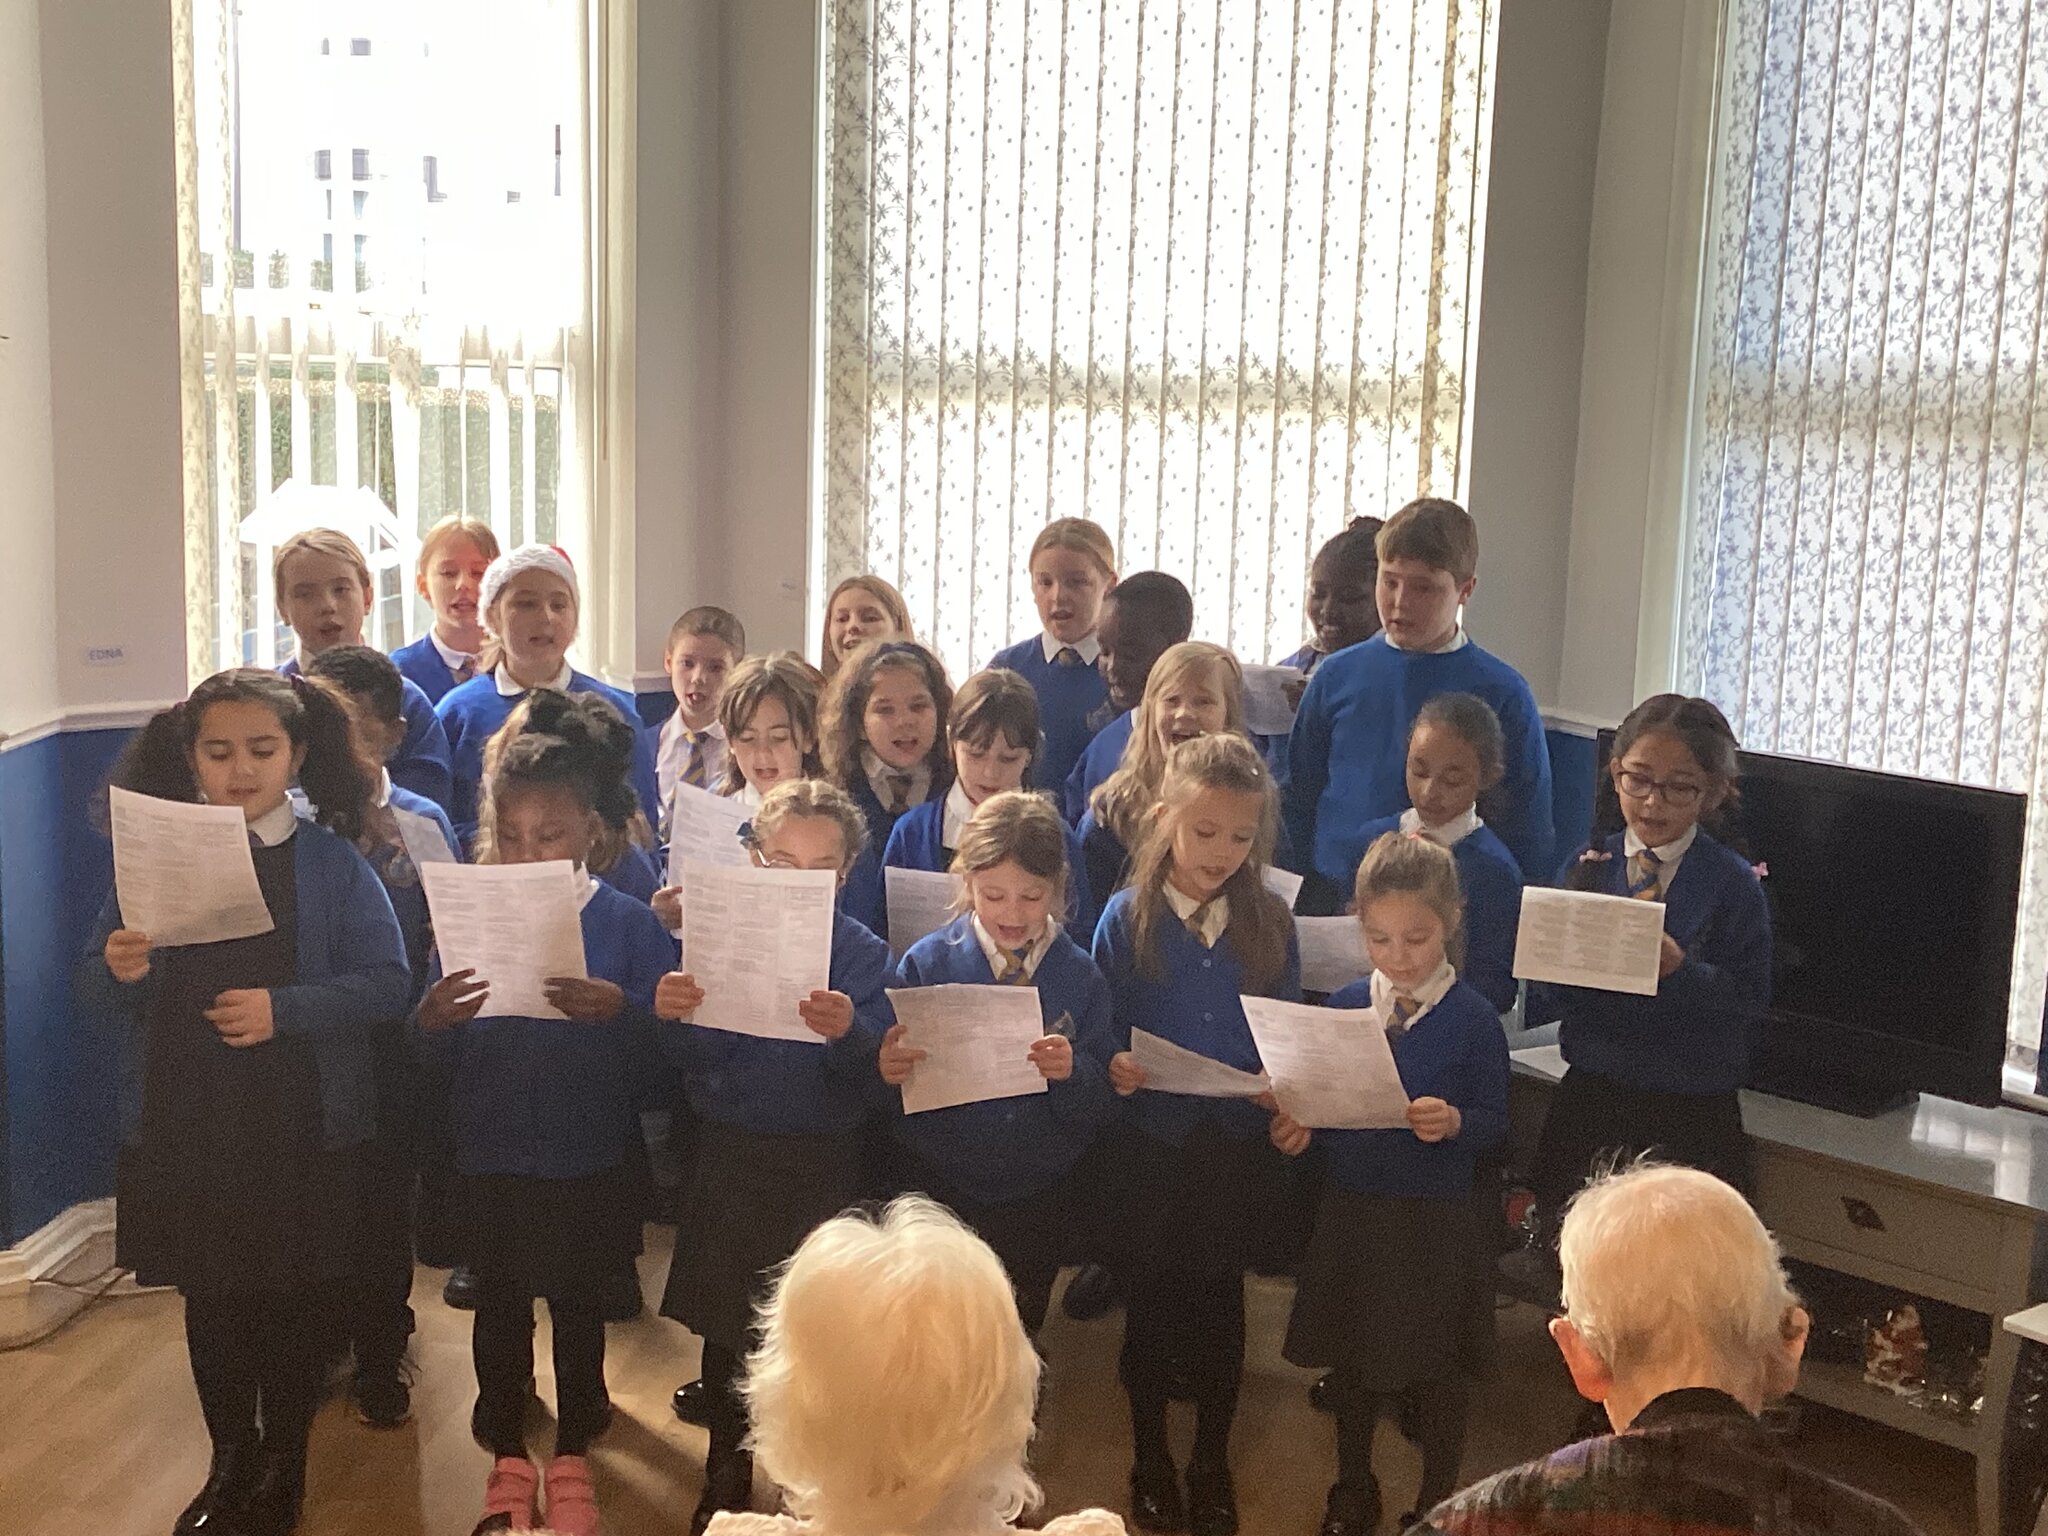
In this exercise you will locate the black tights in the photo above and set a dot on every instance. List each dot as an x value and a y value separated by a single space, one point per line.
725 1412
260 1361
1438 1410
1188 1324
501 1343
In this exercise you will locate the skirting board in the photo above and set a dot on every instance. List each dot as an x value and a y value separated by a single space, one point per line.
50 1248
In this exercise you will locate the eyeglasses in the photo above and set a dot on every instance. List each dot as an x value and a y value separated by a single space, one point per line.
1640 786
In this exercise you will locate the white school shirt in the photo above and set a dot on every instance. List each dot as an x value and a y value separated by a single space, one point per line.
1457 642
999 957
669 747
1214 925
1667 856
879 773
1450 833
507 688
953 820
276 824
1088 648
1429 994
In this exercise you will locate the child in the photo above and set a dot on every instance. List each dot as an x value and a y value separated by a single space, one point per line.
450 576
324 593
383 1318
1346 757
861 609
543 1109
248 1093
1143 616
1343 610
1662 1072
1196 929
1454 758
531 607
1072 568
778 1126
1196 689
1398 1236
704 646
993 731
880 720
1007 1165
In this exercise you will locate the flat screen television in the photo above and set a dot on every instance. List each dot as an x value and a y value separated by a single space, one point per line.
1894 903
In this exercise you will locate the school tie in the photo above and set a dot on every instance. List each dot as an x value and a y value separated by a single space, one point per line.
694 755
899 792
1015 973
1646 875
465 669
1405 1009
1198 921
1066 656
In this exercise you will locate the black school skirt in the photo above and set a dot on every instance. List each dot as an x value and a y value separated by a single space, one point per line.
1204 1206
1594 1121
561 1238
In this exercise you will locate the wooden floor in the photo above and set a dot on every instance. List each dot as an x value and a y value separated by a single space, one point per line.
100 1432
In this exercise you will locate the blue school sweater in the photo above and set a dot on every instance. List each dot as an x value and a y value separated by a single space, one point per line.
1456 1052
1067 696
351 975
473 712
916 843
1348 757
864 897
1008 1149
395 867
1104 859
1699 1033
421 664
1098 760
422 762
557 1098
637 874
791 1087
1198 1006
1491 883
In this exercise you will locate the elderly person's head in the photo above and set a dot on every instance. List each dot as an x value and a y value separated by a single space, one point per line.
1671 1281
894 1382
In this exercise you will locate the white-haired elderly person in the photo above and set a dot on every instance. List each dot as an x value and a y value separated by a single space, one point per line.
893 1390
1678 1319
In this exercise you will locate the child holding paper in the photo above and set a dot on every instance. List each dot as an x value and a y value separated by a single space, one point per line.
248 1096
778 1125
1006 1165
993 734
544 1110
619 855
1396 1290
1196 930
1662 1072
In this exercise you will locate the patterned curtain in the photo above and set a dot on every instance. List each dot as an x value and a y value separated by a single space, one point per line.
1868 572
1206 271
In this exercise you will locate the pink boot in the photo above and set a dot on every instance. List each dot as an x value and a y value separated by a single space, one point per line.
509 1497
572 1501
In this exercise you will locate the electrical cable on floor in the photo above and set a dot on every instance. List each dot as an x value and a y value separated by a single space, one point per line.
95 1289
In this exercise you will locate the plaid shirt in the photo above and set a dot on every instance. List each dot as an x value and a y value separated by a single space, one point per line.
1694 1463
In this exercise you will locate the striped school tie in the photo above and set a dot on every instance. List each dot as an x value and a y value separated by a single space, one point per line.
694 755
1646 876
1015 968
1197 922
1405 1009
899 792
1066 656
465 670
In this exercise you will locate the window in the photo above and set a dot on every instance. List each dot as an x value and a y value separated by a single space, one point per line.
323 165
449 370
1204 272
1867 568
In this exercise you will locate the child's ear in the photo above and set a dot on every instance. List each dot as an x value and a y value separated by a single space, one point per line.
1465 591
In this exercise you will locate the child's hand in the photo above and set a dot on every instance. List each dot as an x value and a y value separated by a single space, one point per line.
127 954
242 1016
587 1000
896 1059
668 906
1288 1134
1669 957
677 997
1434 1120
1054 1058
1293 688
827 1013
1125 1075
454 999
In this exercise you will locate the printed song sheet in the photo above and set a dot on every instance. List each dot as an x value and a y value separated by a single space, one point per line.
515 925
977 1042
422 838
1268 711
184 873
1284 883
1332 953
758 941
1587 939
1332 1068
920 902
705 829
1171 1068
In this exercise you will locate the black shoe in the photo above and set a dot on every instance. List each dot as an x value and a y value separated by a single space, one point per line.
727 1486
272 1507
1411 1519
1212 1499
383 1394
1156 1502
1092 1293
1319 1393
227 1483
460 1291
1350 1512
690 1405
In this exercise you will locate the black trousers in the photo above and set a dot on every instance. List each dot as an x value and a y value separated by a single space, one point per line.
382 1319
259 1361
501 1343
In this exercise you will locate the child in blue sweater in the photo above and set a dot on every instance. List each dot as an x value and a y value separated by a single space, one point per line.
1196 930
1143 617
543 1113
1007 1165
778 1126
993 731
1396 1291
1662 1073
454 554
1454 758
248 1095
1073 567
1347 754
882 729
1342 611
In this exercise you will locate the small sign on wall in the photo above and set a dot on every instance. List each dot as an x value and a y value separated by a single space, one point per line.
106 656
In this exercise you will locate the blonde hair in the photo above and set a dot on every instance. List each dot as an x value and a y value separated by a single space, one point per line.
1018 826
447 531
1124 800
894 1386
1080 536
881 592
780 675
1408 864
806 799
318 541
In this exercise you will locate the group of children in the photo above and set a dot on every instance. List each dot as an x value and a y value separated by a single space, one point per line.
1113 828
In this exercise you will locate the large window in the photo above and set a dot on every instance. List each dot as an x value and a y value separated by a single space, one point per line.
1867 578
447 368
1203 270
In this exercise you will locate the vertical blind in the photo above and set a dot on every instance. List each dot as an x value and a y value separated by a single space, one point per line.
1205 271
1868 571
